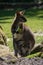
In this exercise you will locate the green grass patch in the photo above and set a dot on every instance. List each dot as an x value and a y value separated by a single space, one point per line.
34 55
10 44
39 39
35 24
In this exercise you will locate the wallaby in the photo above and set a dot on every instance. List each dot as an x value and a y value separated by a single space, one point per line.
23 39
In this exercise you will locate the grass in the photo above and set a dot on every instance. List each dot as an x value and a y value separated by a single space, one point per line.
10 44
35 24
34 21
34 55
39 39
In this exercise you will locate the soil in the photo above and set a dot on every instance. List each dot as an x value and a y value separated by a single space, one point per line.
23 61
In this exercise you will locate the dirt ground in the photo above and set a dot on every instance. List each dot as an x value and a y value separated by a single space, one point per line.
23 61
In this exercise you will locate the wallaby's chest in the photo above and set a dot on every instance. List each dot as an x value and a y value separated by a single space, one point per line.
19 34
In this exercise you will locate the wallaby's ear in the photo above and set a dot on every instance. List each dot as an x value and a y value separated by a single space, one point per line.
17 13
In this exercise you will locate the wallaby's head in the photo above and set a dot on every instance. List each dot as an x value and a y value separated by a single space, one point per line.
20 16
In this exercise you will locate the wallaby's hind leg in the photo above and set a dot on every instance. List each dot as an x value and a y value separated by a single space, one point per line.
14 46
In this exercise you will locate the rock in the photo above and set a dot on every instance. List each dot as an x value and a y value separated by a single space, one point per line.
24 61
6 56
4 50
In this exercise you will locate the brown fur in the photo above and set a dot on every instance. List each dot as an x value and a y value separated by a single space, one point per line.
24 45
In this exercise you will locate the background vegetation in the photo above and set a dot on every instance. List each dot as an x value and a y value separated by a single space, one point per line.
20 1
